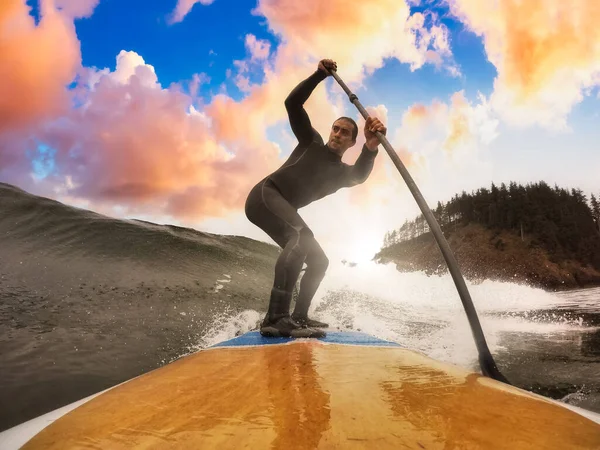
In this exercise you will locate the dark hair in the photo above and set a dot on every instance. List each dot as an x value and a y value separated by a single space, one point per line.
355 130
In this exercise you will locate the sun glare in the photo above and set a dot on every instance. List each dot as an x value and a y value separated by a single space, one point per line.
362 250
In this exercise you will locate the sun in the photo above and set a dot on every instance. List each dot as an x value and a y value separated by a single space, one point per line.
363 249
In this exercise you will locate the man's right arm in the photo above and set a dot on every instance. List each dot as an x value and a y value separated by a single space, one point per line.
299 120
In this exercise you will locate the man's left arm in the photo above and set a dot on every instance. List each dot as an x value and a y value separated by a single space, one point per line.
361 170
363 167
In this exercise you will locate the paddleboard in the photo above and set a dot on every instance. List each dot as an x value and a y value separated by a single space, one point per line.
347 390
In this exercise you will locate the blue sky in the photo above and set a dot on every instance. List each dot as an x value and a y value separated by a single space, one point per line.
212 36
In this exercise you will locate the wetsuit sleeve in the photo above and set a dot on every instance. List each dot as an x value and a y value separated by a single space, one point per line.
360 171
299 120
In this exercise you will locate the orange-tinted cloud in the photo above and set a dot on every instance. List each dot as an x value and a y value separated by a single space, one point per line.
546 52
135 144
37 62
416 113
359 37
459 126
184 7
459 129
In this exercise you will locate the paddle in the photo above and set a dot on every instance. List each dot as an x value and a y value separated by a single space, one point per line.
486 361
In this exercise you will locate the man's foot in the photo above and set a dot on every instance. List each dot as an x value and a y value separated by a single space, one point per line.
312 323
286 327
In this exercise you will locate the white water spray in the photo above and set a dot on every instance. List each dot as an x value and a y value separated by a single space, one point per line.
420 312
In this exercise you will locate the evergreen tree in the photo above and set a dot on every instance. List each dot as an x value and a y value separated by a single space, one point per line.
554 218
595 210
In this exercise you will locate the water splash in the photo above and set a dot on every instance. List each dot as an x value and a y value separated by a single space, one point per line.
419 312
227 325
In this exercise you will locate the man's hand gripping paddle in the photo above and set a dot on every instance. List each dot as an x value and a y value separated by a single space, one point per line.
486 361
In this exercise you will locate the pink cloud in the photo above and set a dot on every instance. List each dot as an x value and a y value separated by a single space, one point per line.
183 8
76 8
456 126
136 144
37 62
151 150
259 48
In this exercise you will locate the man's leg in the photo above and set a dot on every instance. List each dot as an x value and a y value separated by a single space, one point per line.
316 266
267 209
287 269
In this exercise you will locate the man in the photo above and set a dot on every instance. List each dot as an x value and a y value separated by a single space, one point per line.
312 171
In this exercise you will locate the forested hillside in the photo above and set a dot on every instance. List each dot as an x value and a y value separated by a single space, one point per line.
562 224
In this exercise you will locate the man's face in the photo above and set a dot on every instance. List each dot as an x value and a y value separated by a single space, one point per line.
340 137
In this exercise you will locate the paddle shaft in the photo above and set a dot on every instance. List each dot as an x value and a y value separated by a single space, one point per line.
486 361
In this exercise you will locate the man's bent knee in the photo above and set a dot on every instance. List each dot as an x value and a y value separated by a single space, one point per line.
306 234
320 264
317 261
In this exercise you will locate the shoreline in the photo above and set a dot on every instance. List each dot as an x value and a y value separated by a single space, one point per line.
484 254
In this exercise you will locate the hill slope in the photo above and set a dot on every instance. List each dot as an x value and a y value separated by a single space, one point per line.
483 253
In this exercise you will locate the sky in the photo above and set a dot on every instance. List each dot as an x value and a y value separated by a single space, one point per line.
171 111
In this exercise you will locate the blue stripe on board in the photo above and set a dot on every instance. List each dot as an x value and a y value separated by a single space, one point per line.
334 337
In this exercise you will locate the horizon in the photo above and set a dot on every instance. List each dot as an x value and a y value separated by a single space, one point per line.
156 111
407 221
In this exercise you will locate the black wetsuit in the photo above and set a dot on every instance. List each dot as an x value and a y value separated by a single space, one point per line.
311 172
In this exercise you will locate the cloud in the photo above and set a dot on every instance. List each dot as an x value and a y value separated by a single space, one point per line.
259 51
469 125
144 148
119 138
259 48
183 8
456 127
360 38
546 52
76 9
37 62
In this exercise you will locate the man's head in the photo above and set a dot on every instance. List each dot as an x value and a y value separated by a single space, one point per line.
342 135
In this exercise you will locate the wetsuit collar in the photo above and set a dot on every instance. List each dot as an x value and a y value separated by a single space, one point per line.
333 156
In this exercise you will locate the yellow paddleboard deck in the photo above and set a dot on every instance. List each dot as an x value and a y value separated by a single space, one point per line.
346 391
